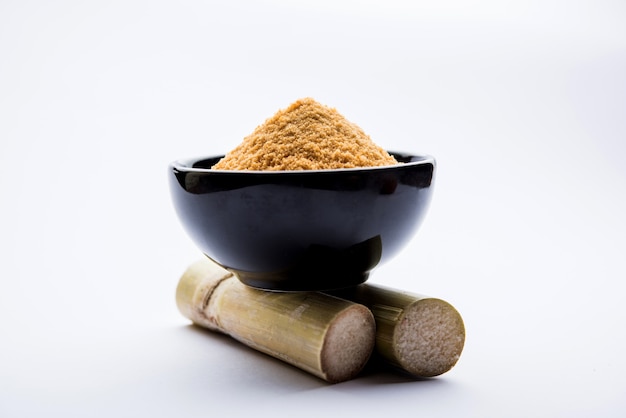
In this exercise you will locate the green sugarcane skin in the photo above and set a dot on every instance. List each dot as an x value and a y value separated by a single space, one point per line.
289 326
329 337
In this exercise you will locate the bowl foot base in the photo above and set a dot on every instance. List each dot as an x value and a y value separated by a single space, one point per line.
321 282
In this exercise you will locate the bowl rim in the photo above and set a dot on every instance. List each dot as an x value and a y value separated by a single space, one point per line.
413 159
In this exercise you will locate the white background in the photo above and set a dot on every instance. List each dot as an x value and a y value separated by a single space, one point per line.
522 103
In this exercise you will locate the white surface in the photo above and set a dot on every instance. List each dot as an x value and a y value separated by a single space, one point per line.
523 105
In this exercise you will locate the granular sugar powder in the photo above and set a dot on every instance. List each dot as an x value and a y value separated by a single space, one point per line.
306 136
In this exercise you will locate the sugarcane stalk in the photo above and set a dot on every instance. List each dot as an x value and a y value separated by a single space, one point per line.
418 334
329 337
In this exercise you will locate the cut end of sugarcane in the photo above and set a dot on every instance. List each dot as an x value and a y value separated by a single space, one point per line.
348 344
429 338
195 288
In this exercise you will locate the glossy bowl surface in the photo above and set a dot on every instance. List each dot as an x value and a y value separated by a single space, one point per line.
302 230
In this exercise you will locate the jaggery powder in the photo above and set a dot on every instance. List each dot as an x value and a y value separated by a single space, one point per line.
306 136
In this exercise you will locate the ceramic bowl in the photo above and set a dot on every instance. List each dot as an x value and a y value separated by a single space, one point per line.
302 230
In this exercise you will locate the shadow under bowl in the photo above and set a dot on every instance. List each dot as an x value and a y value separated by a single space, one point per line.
306 230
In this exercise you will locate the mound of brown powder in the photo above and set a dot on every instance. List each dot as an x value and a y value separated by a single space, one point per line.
306 136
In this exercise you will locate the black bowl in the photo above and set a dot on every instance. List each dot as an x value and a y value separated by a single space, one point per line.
302 230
